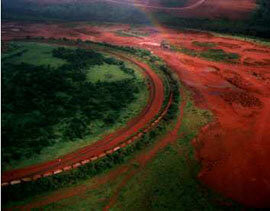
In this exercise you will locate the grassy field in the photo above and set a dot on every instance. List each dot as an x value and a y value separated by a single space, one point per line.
108 73
131 33
41 54
217 55
204 44
32 53
93 199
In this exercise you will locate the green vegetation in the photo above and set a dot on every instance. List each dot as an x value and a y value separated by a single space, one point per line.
45 106
27 190
170 181
258 40
32 53
204 44
93 199
188 51
210 53
106 73
131 33
217 55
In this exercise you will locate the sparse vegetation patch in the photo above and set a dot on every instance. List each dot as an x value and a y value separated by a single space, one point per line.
212 54
131 33
204 44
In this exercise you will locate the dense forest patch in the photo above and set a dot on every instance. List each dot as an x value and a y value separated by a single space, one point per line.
44 105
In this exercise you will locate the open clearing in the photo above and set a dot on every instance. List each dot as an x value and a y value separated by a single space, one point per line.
107 73
32 53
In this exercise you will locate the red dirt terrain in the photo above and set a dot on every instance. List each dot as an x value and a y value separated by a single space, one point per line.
234 149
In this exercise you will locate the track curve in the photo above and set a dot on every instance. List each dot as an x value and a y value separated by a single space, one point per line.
107 145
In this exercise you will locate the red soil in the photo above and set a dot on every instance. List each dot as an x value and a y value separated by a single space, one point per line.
234 150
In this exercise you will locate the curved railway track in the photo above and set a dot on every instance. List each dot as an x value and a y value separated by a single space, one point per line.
134 129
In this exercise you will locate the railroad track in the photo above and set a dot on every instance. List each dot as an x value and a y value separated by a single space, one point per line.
146 121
